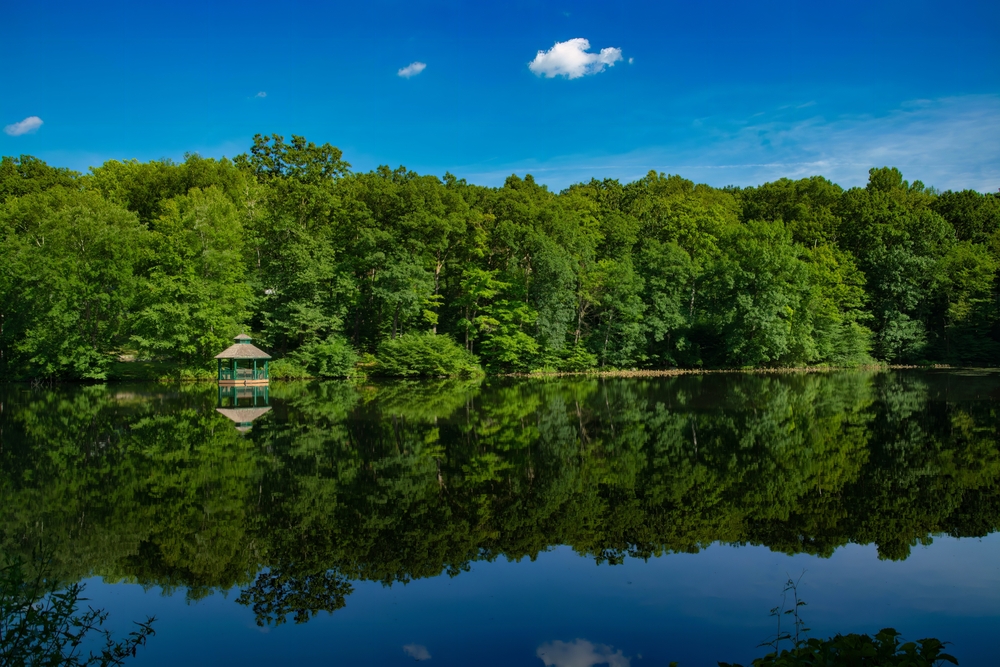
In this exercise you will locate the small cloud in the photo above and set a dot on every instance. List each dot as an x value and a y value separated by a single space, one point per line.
580 653
417 651
631 60
571 59
26 126
412 69
261 94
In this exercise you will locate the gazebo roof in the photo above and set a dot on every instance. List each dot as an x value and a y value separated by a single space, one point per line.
242 415
243 337
243 351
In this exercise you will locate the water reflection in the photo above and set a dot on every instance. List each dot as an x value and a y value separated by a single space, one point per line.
580 653
418 652
339 483
242 405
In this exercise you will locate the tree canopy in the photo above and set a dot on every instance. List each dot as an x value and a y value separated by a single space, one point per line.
164 261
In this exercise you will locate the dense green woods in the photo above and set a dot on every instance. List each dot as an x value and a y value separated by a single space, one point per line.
165 261
391 482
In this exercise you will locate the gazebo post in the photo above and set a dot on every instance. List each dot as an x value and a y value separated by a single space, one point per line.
254 369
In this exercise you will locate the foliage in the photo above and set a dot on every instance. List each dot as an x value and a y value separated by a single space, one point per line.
275 595
194 296
393 481
852 649
884 649
332 357
424 355
69 284
286 369
40 624
164 261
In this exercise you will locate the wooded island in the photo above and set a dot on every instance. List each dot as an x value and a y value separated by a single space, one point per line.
407 275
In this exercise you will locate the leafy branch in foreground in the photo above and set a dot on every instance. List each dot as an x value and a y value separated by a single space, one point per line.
40 624
857 650
854 650
791 586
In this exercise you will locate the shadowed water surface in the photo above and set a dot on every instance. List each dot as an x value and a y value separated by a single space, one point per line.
569 522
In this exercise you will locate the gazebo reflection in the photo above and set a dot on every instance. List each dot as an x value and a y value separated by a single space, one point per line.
243 404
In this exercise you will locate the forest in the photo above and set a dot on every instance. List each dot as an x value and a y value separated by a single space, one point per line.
157 265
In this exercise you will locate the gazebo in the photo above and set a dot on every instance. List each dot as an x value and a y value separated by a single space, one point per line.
243 363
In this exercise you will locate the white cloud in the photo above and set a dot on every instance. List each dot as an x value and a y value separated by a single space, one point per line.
26 126
950 143
571 59
580 653
417 651
412 69
261 94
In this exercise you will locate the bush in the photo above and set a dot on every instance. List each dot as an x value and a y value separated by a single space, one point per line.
425 355
332 357
160 371
193 374
286 369
576 359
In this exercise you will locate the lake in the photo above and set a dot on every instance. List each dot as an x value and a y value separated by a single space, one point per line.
567 521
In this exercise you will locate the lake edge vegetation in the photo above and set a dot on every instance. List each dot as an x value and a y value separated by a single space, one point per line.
340 273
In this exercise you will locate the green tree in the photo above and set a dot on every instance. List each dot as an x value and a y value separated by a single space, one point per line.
756 293
68 282
967 282
195 295
25 175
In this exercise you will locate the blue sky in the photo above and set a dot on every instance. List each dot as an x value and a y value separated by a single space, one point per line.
719 92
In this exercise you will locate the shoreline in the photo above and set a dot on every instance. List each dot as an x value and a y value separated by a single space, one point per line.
719 371
634 373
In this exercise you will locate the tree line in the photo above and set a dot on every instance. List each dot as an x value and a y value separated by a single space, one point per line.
394 482
164 262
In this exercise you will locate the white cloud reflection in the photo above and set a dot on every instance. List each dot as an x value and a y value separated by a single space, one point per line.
418 652
580 653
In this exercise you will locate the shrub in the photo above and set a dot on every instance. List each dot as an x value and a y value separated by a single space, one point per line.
576 359
425 355
332 357
286 369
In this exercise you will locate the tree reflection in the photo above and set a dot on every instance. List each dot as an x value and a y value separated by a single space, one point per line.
392 482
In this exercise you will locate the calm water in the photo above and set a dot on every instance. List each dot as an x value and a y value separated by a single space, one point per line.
574 523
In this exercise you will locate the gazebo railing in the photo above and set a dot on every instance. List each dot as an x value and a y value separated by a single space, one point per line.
228 373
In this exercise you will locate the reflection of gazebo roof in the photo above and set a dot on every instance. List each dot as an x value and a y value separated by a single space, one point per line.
243 351
242 415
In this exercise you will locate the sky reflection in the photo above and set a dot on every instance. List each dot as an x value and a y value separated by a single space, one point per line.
580 653
693 608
